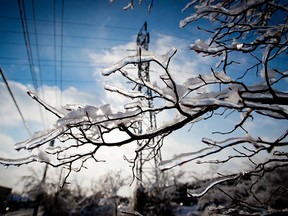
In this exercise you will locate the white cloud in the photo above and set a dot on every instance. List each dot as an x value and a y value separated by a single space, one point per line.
183 65
30 109
12 129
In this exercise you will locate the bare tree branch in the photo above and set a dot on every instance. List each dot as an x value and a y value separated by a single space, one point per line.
250 39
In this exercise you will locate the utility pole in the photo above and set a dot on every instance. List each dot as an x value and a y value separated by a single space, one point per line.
40 195
142 42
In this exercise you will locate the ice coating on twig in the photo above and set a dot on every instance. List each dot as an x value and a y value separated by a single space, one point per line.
43 156
129 6
200 46
180 159
213 148
92 114
135 94
20 161
53 150
206 189
77 117
210 9
39 138
144 57
53 110
226 98
216 77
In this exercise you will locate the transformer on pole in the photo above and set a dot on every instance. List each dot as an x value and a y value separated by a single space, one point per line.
142 42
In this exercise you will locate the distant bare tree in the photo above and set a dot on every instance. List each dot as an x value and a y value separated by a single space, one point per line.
110 184
33 184
255 31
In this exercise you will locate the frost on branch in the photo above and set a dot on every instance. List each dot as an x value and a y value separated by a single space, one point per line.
194 100
83 123
91 126
247 87
144 56
250 38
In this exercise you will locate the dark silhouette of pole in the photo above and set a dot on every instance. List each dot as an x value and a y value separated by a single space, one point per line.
40 195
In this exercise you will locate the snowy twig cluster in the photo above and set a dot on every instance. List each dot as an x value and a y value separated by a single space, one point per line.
257 29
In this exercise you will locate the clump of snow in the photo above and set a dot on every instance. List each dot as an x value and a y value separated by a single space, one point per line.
43 156
129 6
53 150
236 45
199 46
145 56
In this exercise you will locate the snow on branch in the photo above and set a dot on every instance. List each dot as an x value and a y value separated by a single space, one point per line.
247 84
144 56
211 11
213 184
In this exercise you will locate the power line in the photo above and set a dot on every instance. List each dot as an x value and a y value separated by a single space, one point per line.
64 46
52 65
115 40
64 81
70 61
61 52
29 50
36 40
70 36
38 58
55 57
27 42
15 102
46 60
92 25
83 37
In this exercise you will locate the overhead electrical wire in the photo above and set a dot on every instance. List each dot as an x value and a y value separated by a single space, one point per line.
72 36
15 102
27 42
64 81
116 40
29 50
83 24
62 36
55 44
61 52
36 43
47 60
51 66
92 25
70 63
38 59
65 46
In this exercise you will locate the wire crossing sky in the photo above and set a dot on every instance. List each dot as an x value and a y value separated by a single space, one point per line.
15 102
57 32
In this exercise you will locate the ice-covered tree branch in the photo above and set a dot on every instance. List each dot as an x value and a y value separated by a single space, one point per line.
249 38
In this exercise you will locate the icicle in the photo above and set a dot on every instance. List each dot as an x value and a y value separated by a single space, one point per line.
43 156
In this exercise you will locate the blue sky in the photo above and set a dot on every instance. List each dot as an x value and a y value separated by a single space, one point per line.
93 35
73 52
90 25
